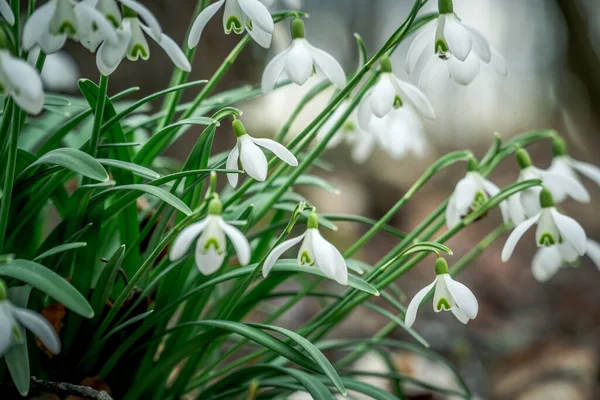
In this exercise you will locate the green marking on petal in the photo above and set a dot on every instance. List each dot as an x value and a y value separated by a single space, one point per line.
479 200
443 304
305 259
113 20
233 23
441 47
67 28
17 334
397 102
212 242
138 51
349 126
547 240
249 25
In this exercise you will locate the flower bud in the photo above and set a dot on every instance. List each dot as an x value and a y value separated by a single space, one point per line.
472 165
445 6
386 64
559 147
215 207
441 266
546 199
523 158
313 221
238 128
297 29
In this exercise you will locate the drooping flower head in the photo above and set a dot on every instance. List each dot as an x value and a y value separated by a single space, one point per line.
239 15
131 40
315 251
14 320
471 192
211 246
549 260
553 228
449 295
299 62
6 12
253 160
390 93
457 48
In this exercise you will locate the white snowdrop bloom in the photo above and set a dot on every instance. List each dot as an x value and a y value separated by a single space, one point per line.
132 42
472 192
60 72
527 202
391 93
21 82
449 295
299 62
253 160
548 260
211 246
457 48
314 251
14 320
568 167
6 12
239 15
553 228
51 24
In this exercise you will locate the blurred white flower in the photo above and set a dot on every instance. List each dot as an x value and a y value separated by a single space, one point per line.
457 48
60 72
553 228
211 246
51 24
449 295
253 160
6 12
132 43
14 320
471 192
314 251
299 62
239 15
548 260
22 82
390 92
290 4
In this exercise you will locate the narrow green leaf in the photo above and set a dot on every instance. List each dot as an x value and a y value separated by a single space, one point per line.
106 280
60 249
73 160
136 169
53 100
49 282
17 357
147 189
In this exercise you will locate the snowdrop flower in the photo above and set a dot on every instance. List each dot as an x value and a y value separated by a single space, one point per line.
391 93
548 260
527 202
471 192
300 60
6 12
314 251
250 15
14 320
253 160
60 72
20 81
132 43
457 47
553 228
449 295
51 24
566 166
211 246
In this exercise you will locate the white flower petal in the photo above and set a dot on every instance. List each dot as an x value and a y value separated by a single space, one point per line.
416 97
457 37
465 192
278 252
498 63
515 209
459 314
493 190
145 14
298 62
6 12
23 83
515 235
328 65
239 241
38 24
253 160
570 231
463 296
453 216
6 321
185 239
278 149
39 326
588 170
546 263
463 72
419 45
572 186
109 56
442 299
593 252
272 72
263 38
432 72
382 97
329 259
201 21
211 247
171 48
364 113
363 148
306 255
92 22
258 13
567 253
232 163
413 306
481 46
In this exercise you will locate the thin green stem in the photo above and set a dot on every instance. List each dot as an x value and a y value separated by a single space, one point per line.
9 175
98 115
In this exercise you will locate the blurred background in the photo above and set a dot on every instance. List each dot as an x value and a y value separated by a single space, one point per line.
530 340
